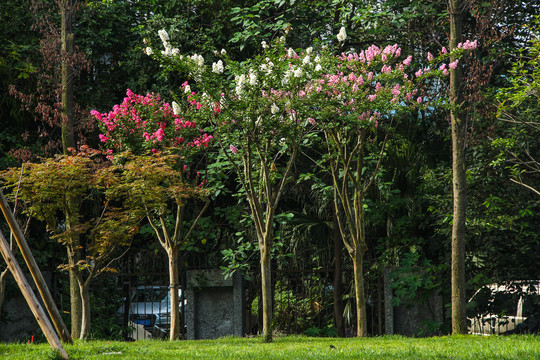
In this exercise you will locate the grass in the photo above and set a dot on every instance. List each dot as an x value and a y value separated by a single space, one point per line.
293 347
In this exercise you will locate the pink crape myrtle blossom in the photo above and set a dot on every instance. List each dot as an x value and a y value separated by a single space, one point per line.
468 45
145 124
454 64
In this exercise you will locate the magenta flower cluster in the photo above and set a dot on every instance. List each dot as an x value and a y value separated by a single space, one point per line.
144 124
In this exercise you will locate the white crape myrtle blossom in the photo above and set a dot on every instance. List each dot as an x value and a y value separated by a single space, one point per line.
217 67
175 51
163 35
274 109
165 40
187 89
240 82
286 76
223 52
342 35
282 141
148 51
298 72
264 45
306 60
317 59
176 108
198 59
309 50
253 79
318 67
291 53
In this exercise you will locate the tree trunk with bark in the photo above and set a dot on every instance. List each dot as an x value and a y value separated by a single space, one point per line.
459 133
173 288
68 44
266 293
68 141
75 299
85 308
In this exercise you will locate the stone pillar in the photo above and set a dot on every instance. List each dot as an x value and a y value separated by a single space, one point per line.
215 305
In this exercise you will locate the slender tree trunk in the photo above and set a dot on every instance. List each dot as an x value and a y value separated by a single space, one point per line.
459 133
68 141
358 269
266 294
173 285
68 136
74 297
338 284
85 309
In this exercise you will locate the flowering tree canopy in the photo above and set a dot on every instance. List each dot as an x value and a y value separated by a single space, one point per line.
144 124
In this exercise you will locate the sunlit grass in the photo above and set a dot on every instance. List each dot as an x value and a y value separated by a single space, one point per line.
294 347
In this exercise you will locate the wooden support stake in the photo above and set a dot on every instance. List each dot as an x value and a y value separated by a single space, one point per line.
36 308
41 285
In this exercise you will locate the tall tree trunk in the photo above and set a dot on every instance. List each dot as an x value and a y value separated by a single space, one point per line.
68 141
85 308
358 269
266 293
338 283
459 132
173 285
68 136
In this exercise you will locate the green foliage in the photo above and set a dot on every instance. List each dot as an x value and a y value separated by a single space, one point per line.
415 279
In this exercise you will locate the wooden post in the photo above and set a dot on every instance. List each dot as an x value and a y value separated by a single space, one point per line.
34 270
36 308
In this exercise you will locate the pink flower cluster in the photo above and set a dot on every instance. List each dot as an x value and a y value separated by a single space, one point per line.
372 53
468 45
146 123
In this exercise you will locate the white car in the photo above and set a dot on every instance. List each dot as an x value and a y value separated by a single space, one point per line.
501 308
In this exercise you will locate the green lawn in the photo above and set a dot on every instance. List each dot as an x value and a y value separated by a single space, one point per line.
294 347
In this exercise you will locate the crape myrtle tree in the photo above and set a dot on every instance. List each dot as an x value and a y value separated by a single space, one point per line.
357 98
357 101
153 146
58 189
264 116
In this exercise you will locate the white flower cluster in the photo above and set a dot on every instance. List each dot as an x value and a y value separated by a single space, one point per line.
176 108
267 67
342 35
197 59
217 67
240 82
253 79
169 50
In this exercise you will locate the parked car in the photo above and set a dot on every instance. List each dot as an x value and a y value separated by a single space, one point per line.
145 303
504 308
162 324
150 307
